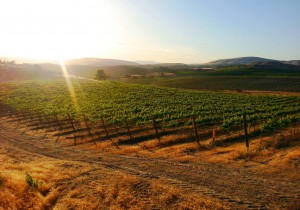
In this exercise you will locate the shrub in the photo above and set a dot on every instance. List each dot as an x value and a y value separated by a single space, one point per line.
30 181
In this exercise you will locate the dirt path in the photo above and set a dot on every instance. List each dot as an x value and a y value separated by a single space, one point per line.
235 188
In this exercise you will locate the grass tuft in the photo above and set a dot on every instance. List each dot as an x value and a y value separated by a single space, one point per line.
31 182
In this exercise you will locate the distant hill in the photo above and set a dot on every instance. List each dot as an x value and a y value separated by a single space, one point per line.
274 65
238 61
171 64
271 68
293 62
146 62
23 72
100 62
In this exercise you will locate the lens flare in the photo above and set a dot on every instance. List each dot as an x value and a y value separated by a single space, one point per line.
70 86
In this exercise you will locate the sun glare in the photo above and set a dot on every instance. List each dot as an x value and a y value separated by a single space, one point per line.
57 29
69 85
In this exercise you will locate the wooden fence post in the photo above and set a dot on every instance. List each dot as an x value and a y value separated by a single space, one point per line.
156 130
128 128
40 120
213 135
104 127
58 123
23 115
89 129
246 131
72 124
196 130
30 116
294 129
1 108
60 128
18 118
45 125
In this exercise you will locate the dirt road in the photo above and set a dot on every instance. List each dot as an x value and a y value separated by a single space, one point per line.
235 188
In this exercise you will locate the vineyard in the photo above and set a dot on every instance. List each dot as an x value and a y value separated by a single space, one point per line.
106 109
290 84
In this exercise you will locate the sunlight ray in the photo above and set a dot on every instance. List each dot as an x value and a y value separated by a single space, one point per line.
70 86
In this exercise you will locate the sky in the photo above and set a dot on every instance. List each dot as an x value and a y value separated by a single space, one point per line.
187 31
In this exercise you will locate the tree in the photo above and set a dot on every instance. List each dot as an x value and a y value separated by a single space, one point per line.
11 62
100 75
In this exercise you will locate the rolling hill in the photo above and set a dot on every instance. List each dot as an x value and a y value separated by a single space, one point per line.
238 61
293 62
100 62
274 65
146 62
23 72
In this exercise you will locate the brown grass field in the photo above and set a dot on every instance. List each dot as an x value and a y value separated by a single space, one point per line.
174 174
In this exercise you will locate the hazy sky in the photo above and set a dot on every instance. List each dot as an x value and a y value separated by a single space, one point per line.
190 31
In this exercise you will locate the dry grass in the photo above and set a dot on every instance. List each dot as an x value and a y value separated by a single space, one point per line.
15 193
114 191
270 154
281 141
118 194
173 198
182 147
66 184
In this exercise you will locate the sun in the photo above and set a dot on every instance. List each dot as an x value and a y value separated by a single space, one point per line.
57 30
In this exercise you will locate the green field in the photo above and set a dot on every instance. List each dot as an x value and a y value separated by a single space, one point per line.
140 104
